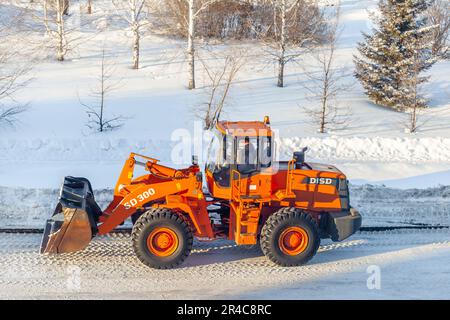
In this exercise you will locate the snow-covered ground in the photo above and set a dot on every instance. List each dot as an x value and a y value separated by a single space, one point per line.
51 139
397 178
411 265
398 162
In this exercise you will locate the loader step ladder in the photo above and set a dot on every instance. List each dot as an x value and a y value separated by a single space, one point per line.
246 223
287 192
289 178
247 213
235 185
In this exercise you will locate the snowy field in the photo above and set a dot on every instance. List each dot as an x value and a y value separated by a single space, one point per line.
397 179
411 265
52 140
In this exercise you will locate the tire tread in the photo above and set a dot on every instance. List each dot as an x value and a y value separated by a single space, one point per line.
156 214
283 214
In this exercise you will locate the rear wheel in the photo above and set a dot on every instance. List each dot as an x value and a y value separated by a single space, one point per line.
290 237
161 238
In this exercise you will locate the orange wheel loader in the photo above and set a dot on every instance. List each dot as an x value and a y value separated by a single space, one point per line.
288 206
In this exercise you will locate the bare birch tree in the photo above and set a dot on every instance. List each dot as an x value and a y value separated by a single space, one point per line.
96 112
195 7
438 15
219 80
135 13
14 75
89 7
54 16
413 98
188 12
58 31
413 123
284 46
325 84
66 6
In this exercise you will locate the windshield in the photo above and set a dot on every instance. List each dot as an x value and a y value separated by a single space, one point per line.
221 154
252 153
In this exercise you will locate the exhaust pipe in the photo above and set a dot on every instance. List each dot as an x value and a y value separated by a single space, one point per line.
74 221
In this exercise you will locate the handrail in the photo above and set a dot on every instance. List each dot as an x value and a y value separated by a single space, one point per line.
145 157
235 184
291 166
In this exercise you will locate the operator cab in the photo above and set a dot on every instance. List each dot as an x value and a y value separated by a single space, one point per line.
245 148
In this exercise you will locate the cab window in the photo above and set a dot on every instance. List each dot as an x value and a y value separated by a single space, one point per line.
247 154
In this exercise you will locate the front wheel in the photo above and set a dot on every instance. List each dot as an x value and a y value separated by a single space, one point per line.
161 238
290 237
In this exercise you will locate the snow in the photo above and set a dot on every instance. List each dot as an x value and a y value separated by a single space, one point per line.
412 265
52 141
391 161
397 269
379 205
397 178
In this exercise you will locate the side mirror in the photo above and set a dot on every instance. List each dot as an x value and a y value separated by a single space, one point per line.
299 157
194 160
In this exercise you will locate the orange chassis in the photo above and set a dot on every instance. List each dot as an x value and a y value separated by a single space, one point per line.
181 190
287 205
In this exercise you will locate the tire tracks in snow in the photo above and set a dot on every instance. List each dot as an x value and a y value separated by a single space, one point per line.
108 268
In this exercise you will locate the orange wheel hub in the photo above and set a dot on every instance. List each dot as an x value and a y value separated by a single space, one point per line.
162 242
293 241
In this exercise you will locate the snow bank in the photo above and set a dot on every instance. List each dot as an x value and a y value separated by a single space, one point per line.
31 207
382 206
400 149
88 149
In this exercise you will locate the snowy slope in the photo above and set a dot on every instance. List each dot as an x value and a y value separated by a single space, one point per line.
52 140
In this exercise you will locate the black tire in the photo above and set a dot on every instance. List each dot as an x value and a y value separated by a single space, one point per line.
161 218
273 229
135 217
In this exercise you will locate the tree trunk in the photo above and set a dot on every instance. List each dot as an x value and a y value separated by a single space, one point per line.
323 115
280 72
136 32
413 115
89 7
136 46
66 5
60 50
325 94
282 45
190 47
413 127
102 94
46 16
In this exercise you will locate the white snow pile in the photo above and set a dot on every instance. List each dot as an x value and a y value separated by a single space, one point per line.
30 208
382 149
87 149
380 206
383 206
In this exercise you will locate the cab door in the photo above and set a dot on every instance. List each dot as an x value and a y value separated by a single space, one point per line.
252 154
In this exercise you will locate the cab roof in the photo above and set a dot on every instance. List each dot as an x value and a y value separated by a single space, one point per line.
245 128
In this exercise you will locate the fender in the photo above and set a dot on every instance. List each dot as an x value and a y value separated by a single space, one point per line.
137 198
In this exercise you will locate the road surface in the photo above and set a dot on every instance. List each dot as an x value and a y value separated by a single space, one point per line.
399 264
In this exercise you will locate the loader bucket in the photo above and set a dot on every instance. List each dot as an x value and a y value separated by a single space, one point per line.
74 221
